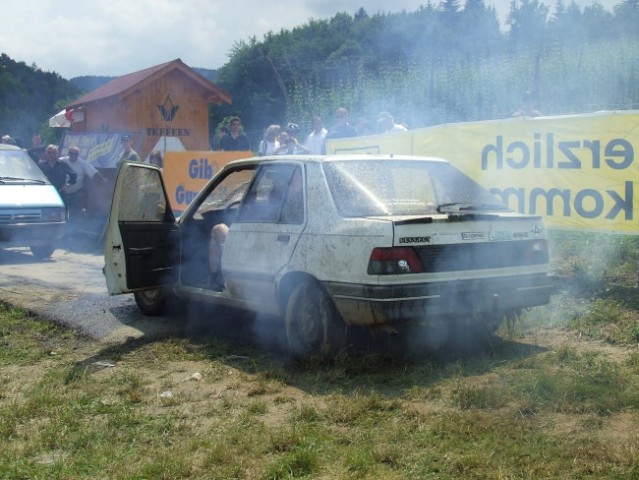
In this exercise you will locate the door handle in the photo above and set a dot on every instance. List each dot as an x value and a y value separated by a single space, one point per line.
285 238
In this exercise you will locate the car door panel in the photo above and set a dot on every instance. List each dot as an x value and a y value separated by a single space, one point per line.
262 240
141 235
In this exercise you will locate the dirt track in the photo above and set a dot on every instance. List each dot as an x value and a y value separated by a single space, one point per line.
70 289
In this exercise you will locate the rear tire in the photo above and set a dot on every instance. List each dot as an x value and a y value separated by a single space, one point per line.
314 327
151 302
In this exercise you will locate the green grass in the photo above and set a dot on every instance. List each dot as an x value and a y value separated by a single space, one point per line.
557 396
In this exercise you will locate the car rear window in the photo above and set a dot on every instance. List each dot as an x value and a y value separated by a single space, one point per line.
400 187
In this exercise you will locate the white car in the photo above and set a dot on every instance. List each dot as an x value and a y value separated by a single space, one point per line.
326 242
32 213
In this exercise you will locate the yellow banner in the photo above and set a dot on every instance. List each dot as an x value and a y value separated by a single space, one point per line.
186 173
577 171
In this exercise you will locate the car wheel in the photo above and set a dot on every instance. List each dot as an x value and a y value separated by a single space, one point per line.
151 302
42 251
313 324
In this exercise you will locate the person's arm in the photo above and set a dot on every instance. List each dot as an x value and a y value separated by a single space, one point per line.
73 177
302 148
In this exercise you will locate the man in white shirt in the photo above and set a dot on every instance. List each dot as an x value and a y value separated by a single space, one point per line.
387 123
75 195
316 139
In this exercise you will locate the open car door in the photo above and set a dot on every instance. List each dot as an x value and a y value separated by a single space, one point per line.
142 237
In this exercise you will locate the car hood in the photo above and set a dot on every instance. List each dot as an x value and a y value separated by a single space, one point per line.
29 196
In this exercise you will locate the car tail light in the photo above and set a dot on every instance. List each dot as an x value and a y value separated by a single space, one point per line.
538 252
393 261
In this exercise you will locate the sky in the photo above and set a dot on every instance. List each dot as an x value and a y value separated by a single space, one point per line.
114 37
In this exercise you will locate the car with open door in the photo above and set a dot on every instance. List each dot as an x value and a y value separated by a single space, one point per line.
328 242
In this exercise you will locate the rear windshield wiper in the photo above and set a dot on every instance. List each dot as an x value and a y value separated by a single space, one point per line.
460 207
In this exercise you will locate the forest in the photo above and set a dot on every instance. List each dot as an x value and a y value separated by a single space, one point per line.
445 62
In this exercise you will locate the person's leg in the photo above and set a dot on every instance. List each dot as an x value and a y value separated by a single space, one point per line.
218 235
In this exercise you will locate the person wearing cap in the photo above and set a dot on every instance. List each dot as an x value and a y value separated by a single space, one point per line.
128 155
387 123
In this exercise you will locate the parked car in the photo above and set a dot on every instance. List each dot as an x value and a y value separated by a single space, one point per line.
329 242
32 213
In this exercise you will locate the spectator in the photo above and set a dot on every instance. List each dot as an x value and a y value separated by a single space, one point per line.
527 108
128 155
36 152
235 139
156 158
289 145
316 139
365 127
270 143
342 127
76 196
8 139
387 123
217 138
59 173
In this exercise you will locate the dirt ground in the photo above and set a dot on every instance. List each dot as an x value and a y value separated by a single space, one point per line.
69 288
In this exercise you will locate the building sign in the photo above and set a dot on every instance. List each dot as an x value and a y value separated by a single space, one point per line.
185 173
102 150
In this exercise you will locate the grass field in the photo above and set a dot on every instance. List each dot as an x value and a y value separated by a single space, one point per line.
556 396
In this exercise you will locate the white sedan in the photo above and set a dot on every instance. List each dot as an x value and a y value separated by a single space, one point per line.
328 242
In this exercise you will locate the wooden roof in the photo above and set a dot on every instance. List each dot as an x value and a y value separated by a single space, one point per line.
126 84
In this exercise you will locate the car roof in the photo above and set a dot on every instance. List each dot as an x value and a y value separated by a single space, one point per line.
8 146
334 158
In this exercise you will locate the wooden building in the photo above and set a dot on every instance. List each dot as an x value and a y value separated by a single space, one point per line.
166 107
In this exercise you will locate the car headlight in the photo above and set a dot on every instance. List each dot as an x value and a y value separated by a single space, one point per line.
54 214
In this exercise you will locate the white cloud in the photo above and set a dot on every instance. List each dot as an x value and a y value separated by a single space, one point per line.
115 37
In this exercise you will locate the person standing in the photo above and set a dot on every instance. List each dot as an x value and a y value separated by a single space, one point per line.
36 152
387 123
76 196
235 139
289 145
527 108
128 155
315 140
156 158
270 143
342 127
59 173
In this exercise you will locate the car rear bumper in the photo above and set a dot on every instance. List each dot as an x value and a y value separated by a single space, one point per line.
375 304
30 234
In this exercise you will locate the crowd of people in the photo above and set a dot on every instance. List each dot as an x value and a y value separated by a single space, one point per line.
288 140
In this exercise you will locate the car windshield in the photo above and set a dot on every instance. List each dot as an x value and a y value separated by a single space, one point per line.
404 187
16 165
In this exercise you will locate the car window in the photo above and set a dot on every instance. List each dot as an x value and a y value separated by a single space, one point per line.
142 196
400 187
228 191
276 196
18 165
